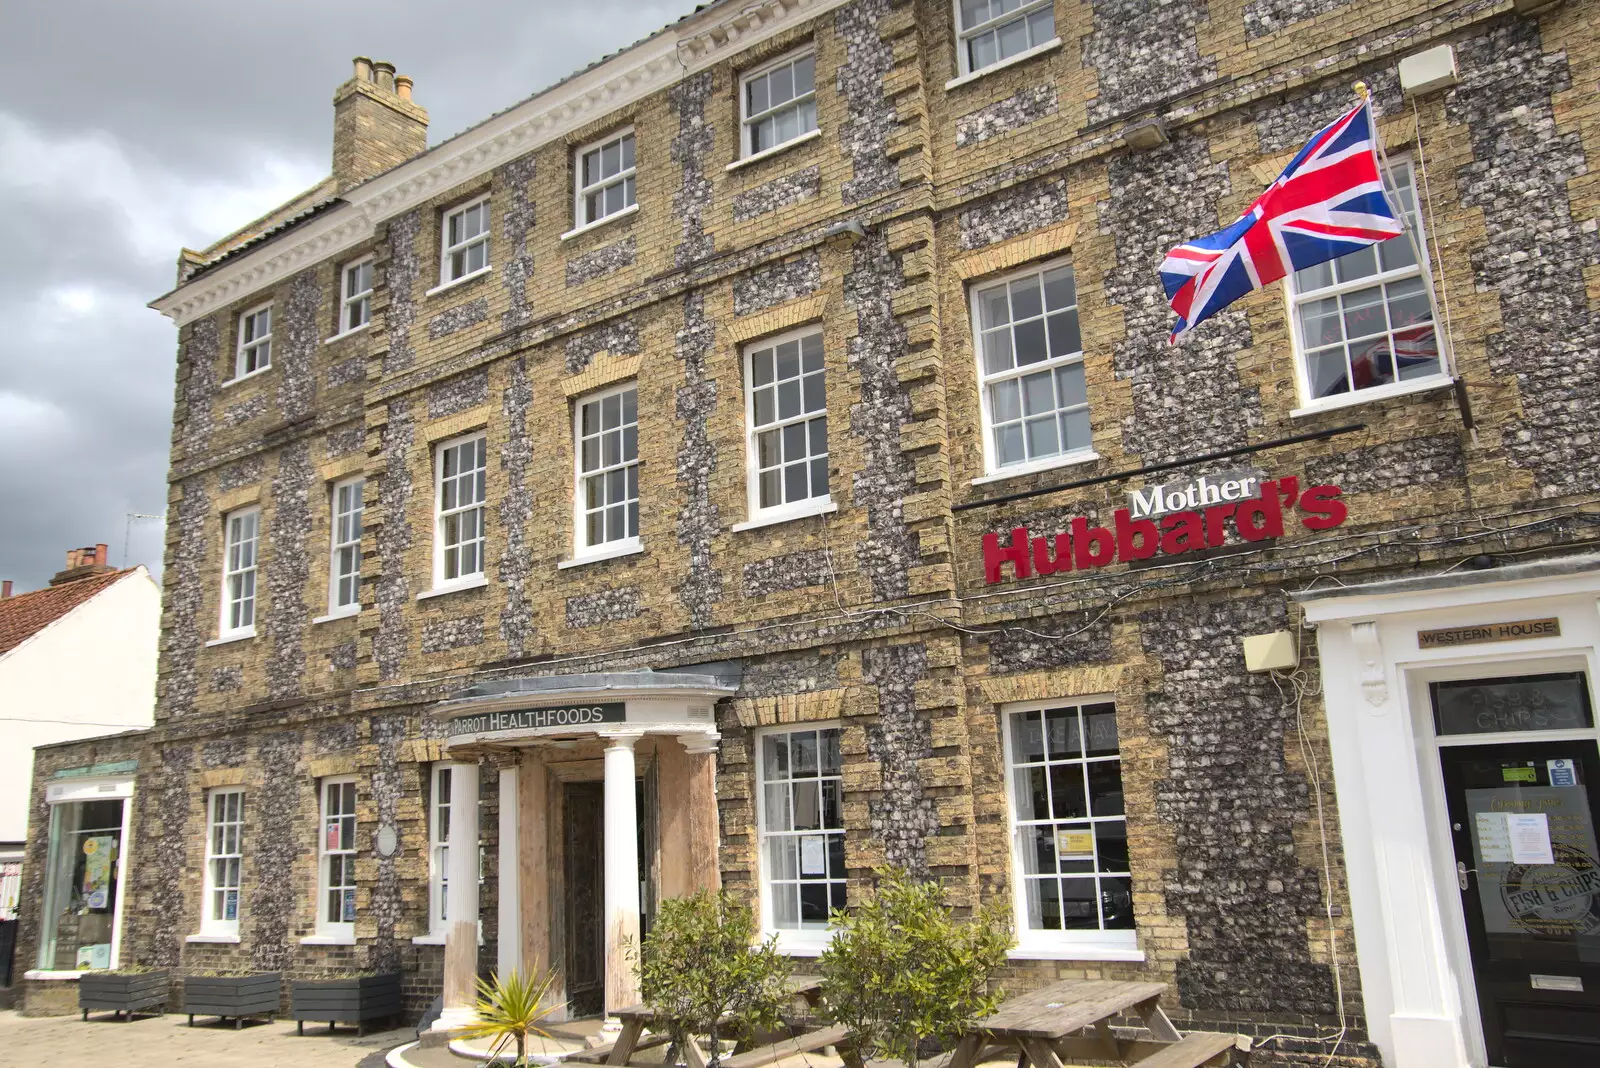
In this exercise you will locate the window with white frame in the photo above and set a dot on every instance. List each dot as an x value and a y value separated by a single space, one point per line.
787 415
344 566
1365 320
604 178
607 432
779 102
439 848
355 295
224 859
336 897
255 341
462 469
801 799
242 535
465 235
1030 364
991 31
1069 832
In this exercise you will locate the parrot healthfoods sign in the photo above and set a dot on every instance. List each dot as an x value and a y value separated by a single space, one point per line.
1168 520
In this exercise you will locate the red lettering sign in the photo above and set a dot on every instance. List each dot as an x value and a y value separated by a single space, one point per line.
1128 539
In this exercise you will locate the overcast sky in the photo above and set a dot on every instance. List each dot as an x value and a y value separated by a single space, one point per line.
128 130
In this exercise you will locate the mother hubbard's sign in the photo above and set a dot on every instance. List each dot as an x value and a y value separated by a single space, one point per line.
1213 507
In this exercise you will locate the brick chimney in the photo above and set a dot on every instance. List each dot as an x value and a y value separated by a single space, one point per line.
375 123
82 563
5 590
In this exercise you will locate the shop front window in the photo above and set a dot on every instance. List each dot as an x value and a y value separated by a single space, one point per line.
82 885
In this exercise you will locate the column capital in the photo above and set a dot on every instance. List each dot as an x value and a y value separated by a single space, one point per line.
620 739
700 742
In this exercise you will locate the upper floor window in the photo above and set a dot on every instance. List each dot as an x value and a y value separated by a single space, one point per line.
605 178
1365 321
224 858
241 535
1030 363
344 571
800 809
1069 834
255 341
991 31
607 432
788 421
779 102
336 890
355 295
462 469
465 235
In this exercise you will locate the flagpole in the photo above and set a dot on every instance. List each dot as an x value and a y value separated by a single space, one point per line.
1388 173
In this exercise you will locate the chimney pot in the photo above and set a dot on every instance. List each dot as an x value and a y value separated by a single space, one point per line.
102 557
384 75
5 590
402 86
363 67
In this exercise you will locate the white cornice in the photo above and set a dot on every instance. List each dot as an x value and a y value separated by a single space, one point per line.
700 41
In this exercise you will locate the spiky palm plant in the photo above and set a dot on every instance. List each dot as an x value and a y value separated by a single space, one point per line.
510 1010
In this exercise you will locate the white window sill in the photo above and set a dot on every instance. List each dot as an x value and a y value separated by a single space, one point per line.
347 333
476 582
442 286
329 940
1362 396
576 231
802 943
339 613
429 939
1021 57
626 547
245 377
789 513
52 975
220 939
1071 459
236 636
765 153
1058 951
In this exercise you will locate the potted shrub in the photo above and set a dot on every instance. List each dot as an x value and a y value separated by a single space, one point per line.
354 998
126 990
704 974
510 1010
902 970
232 995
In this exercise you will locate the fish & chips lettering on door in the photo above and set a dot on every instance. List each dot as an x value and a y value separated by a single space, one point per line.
1204 524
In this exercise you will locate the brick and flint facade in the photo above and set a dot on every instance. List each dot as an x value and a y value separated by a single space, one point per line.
843 650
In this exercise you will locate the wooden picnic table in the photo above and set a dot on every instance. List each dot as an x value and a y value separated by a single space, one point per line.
1044 1029
635 1018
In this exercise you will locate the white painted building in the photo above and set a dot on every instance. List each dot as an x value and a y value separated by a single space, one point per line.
77 659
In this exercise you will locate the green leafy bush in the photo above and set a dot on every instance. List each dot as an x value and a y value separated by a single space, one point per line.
703 973
510 1010
902 968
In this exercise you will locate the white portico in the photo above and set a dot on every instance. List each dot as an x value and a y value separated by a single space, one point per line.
607 805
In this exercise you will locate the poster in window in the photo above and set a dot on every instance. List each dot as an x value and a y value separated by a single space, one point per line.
349 913
230 905
333 836
813 855
98 853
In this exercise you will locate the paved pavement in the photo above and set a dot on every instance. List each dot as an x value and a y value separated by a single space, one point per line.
159 1041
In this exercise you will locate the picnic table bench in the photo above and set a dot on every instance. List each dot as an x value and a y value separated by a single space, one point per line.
1044 1029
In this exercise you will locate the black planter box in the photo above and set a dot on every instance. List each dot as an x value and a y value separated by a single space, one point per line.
371 997
232 997
126 992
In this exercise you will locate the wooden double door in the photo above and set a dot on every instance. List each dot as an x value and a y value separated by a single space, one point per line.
584 890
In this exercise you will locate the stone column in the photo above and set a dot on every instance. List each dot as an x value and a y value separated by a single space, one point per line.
510 911
461 912
622 870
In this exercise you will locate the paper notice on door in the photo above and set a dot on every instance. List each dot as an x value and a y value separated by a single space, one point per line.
813 856
1494 838
1562 772
1530 838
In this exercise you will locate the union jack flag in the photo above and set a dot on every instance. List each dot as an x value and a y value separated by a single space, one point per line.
1328 201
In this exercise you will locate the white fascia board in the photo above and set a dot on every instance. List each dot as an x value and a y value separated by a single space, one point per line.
701 41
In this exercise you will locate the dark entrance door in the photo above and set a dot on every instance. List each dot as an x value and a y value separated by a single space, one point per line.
585 898
1522 821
